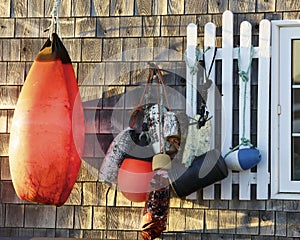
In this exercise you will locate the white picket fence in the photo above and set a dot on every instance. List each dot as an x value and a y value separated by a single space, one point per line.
227 54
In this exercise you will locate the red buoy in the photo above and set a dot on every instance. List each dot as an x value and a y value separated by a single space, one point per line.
133 179
47 131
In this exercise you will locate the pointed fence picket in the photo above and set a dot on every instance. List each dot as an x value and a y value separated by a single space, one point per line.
227 54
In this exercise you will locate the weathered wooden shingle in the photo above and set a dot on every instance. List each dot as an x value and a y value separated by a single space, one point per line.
293 227
73 47
127 235
280 225
117 74
5 172
5 8
16 74
75 233
217 6
131 27
62 233
227 221
211 223
85 27
75 196
25 232
143 7
30 48
65 8
40 216
170 26
195 6
90 193
115 218
146 49
121 7
36 8
91 74
8 96
151 26
18 8
161 46
122 201
7 27
92 50
4 142
3 70
267 223
287 5
265 6
11 49
14 215
100 7
44 232
99 218
160 7
247 222
83 217
27 27
112 49
133 218
108 27
175 7
130 50
81 8
194 219
65 217
67 27
176 49
3 121
290 205
238 6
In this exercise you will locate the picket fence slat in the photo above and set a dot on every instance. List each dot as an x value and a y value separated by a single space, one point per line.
191 79
227 97
210 42
227 54
245 49
262 113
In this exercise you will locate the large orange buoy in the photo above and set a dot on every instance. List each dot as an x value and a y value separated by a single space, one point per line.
133 179
47 131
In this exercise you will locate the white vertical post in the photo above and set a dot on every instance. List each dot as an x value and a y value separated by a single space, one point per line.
263 112
227 97
191 79
245 51
210 42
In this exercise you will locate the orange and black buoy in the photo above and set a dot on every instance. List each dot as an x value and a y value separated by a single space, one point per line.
47 132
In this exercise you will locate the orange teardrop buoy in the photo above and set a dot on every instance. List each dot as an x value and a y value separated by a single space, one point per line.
133 179
47 132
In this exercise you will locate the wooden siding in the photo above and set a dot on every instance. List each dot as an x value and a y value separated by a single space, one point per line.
96 32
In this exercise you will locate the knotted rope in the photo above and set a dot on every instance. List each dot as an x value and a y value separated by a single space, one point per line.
244 75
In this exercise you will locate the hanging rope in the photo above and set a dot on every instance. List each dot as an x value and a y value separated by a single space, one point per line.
54 26
244 75
194 67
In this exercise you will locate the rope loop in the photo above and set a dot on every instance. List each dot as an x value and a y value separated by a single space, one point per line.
54 26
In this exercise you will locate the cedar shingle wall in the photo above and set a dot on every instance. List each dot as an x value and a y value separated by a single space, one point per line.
96 34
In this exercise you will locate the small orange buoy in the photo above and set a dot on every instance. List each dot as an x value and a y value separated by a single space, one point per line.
47 132
134 178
